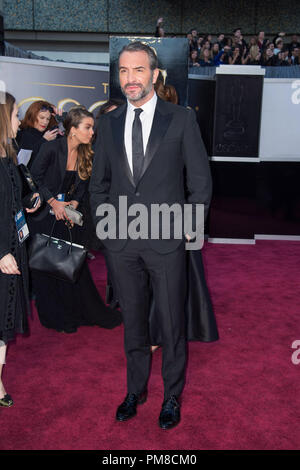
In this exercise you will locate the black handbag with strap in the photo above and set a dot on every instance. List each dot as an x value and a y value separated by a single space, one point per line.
58 258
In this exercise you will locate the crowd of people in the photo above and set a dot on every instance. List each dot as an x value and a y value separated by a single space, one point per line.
235 50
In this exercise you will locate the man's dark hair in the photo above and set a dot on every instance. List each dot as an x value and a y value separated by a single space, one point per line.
139 46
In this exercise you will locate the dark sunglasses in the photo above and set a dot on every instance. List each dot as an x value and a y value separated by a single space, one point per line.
47 108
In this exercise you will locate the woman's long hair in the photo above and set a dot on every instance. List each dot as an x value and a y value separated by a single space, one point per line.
7 102
32 112
166 92
254 50
202 57
266 57
85 152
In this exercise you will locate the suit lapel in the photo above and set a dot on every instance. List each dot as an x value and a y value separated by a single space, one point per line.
160 124
118 126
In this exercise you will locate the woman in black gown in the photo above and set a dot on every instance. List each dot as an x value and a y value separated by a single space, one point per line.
200 319
61 170
14 302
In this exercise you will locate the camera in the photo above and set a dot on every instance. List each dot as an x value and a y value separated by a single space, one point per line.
60 121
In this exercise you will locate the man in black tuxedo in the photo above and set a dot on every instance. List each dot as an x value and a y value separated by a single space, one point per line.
146 150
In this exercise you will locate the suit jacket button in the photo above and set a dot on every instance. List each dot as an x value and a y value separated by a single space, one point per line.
137 194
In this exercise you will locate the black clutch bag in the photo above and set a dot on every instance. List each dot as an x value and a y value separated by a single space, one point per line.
29 187
58 258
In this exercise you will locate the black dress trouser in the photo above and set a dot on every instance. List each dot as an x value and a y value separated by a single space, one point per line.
131 269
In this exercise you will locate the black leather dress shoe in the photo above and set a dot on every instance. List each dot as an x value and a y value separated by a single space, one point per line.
6 401
70 329
170 413
127 409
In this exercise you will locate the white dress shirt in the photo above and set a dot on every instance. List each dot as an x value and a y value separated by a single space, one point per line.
146 118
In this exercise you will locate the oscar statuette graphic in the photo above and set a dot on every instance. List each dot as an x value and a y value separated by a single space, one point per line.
235 127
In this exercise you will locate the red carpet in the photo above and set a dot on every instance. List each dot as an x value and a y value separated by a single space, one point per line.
241 392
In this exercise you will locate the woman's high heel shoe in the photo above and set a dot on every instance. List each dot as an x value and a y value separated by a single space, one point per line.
6 401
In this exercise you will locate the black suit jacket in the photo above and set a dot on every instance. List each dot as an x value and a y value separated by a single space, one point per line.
30 139
175 154
49 169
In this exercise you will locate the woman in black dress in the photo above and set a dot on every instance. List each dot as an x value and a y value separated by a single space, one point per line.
37 127
14 302
61 170
200 321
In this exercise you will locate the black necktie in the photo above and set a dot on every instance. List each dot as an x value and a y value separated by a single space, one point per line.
137 146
